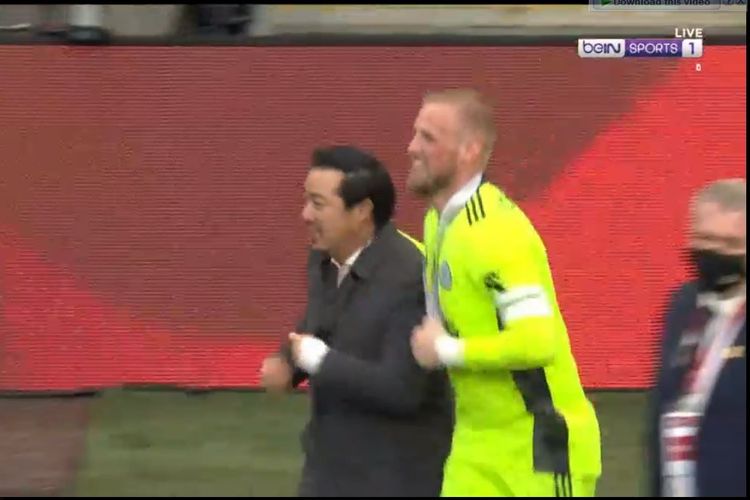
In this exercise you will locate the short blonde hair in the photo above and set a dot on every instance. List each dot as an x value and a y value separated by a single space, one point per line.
476 110
729 194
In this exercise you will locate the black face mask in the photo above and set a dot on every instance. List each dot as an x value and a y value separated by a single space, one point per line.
717 272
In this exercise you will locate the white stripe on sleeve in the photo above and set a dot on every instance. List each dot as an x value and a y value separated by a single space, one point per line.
523 302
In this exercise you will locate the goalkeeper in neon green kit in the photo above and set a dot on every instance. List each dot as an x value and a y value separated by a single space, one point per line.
524 426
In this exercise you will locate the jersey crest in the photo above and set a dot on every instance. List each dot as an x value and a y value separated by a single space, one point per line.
445 276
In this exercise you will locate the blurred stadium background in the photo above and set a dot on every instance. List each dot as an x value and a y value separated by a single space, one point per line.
151 252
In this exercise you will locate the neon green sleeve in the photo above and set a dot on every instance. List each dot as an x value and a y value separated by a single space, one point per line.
514 271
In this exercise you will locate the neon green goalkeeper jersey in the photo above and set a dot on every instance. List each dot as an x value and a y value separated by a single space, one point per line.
521 412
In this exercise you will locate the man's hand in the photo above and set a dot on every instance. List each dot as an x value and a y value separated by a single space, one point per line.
424 343
308 351
295 345
433 348
276 374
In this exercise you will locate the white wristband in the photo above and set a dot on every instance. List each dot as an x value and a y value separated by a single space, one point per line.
450 350
312 351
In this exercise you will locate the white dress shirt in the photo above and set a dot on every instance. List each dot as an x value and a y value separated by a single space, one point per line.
722 323
343 269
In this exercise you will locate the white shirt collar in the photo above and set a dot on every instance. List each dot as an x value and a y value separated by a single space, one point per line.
352 258
459 199
727 306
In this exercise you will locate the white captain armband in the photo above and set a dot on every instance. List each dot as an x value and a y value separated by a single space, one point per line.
522 302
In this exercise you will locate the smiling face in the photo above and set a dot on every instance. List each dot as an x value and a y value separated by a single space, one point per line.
332 226
435 149
454 134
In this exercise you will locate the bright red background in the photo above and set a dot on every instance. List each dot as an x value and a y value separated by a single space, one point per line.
149 197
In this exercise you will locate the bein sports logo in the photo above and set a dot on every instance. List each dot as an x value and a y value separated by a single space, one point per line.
601 47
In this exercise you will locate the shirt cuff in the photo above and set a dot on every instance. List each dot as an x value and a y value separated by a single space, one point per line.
312 351
450 350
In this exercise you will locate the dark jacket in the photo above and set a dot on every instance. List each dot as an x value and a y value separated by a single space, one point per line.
380 425
721 445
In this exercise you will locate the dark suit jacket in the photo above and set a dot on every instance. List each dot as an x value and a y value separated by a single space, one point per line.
380 425
721 459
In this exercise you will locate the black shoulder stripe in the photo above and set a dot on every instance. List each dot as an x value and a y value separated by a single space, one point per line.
481 205
473 208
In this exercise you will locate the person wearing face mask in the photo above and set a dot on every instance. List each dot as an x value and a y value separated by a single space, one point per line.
697 419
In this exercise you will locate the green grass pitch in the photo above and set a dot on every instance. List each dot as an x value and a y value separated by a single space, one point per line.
166 443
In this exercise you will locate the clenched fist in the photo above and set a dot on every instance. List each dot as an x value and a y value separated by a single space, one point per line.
276 374
424 339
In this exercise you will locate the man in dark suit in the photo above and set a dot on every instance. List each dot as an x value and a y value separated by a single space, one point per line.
697 421
380 425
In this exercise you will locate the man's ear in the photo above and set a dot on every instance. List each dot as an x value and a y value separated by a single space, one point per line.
365 209
471 149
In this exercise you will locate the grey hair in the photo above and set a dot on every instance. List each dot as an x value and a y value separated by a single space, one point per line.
729 194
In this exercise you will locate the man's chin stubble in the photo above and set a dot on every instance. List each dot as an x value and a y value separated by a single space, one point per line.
420 191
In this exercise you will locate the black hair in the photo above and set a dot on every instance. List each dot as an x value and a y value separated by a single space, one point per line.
364 177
